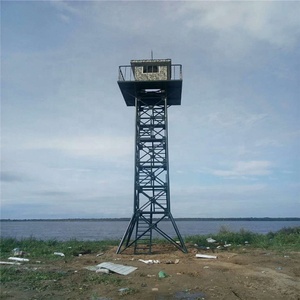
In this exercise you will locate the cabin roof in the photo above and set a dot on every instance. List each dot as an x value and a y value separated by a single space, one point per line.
158 62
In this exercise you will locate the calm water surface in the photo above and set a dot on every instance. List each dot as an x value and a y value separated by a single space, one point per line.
103 230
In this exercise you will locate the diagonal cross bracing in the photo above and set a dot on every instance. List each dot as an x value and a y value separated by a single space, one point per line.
152 190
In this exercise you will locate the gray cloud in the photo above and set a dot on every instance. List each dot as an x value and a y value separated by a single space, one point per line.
12 177
66 127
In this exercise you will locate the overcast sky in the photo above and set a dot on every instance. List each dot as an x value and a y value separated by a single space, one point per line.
68 137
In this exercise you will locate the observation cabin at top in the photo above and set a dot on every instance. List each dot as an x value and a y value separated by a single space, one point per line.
151 79
151 85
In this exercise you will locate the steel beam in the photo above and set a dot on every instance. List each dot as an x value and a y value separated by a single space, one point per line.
151 181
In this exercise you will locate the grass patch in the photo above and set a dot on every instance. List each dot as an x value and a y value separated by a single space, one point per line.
12 274
286 239
32 279
39 249
106 279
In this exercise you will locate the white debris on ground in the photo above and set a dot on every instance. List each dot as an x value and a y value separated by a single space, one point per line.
210 240
59 254
150 261
206 256
18 259
116 268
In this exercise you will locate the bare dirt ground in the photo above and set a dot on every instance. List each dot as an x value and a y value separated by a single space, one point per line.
240 274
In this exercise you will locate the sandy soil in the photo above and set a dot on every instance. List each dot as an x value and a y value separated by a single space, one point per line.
240 274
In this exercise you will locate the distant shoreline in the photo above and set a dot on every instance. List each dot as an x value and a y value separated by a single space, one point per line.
128 219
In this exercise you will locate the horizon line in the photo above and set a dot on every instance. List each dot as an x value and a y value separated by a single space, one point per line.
178 219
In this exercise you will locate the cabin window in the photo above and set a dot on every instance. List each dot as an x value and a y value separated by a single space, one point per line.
150 69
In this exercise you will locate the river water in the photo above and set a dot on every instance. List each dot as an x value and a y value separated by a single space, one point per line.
92 230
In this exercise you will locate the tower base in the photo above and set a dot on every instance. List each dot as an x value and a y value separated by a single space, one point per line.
144 228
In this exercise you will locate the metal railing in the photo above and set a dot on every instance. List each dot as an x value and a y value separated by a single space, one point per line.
176 72
126 73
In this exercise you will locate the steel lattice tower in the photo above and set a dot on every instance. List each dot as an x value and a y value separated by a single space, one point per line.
151 86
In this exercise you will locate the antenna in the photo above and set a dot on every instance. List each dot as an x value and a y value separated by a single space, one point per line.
151 54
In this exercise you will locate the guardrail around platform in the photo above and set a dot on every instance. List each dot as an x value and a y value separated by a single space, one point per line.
126 73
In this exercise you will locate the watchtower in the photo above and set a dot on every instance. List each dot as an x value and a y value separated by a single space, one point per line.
151 85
